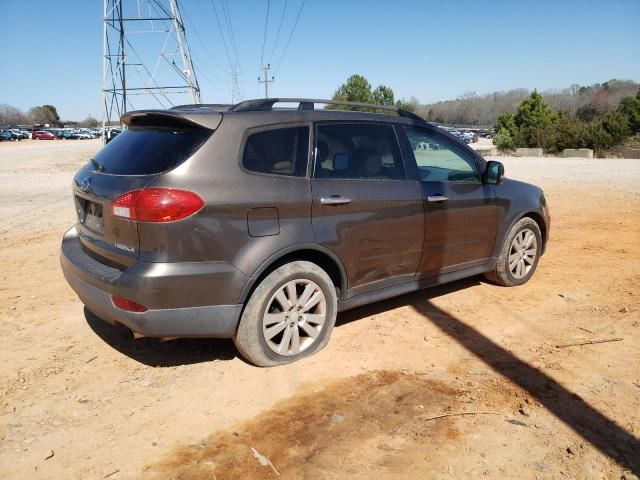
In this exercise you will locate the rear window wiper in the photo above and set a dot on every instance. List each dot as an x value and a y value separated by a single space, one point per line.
97 164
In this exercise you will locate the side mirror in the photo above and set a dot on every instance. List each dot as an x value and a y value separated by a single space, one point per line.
494 173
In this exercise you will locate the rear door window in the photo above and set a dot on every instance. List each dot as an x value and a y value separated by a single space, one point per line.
358 151
279 151
148 151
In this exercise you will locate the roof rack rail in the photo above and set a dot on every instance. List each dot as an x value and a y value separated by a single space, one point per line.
203 105
266 104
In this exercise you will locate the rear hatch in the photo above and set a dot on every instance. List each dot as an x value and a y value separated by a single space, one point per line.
152 145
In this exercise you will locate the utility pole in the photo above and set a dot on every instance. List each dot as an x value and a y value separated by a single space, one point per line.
266 80
146 58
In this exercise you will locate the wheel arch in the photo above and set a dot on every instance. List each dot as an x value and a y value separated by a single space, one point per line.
321 256
539 219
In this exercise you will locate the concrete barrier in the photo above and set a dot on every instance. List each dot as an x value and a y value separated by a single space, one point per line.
577 152
528 152
487 152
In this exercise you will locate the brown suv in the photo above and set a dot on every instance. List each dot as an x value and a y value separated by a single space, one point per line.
261 224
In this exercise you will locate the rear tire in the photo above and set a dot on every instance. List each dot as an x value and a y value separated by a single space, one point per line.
289 316
519 255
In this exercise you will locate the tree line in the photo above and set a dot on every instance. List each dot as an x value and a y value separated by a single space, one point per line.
598 117
358 89
39 115
583 102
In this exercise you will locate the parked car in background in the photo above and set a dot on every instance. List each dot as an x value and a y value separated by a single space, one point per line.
91 132
19 134
110 134
69 135
5 136
260 224
42 135
83 136
470 137
14 135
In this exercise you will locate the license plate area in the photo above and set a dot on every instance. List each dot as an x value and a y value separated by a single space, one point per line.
90 214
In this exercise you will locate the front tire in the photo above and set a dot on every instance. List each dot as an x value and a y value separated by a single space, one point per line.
519 255
289 316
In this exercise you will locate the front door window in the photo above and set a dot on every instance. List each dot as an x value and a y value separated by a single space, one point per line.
438 162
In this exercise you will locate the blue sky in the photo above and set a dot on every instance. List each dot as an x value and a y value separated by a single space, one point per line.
433 50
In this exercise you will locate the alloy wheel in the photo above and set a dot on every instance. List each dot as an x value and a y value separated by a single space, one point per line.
294 317
522 254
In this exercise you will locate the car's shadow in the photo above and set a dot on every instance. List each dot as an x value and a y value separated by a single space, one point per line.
409 299
600 431
155 353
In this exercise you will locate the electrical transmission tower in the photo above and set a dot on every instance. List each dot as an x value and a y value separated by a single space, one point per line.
146 60
236 96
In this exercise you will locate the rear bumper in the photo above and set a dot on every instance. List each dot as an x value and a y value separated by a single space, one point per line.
94 283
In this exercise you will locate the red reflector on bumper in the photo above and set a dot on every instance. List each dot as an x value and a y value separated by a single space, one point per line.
128 305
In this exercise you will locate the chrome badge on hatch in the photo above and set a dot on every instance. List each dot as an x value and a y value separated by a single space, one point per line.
124 247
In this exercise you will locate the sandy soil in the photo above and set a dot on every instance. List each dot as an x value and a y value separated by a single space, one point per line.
80 399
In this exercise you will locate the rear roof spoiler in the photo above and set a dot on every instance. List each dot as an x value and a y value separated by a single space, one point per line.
186 117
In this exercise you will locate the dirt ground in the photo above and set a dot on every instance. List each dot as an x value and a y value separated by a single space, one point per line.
460 381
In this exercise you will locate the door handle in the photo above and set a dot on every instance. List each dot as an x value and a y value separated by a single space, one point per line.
334 200
437 198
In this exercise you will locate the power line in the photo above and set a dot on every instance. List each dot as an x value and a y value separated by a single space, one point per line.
235 70
206 73
234 66
290 36
264 40
215 10
202 42
227 17
275 44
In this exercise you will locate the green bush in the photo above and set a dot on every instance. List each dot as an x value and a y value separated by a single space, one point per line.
616 124
587 113
504 140
569 134
535 122
596 137
630 106
506 122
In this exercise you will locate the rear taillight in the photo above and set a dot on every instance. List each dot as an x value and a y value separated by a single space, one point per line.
156 205
128 305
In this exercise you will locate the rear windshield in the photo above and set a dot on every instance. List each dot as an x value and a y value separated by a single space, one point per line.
147 151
